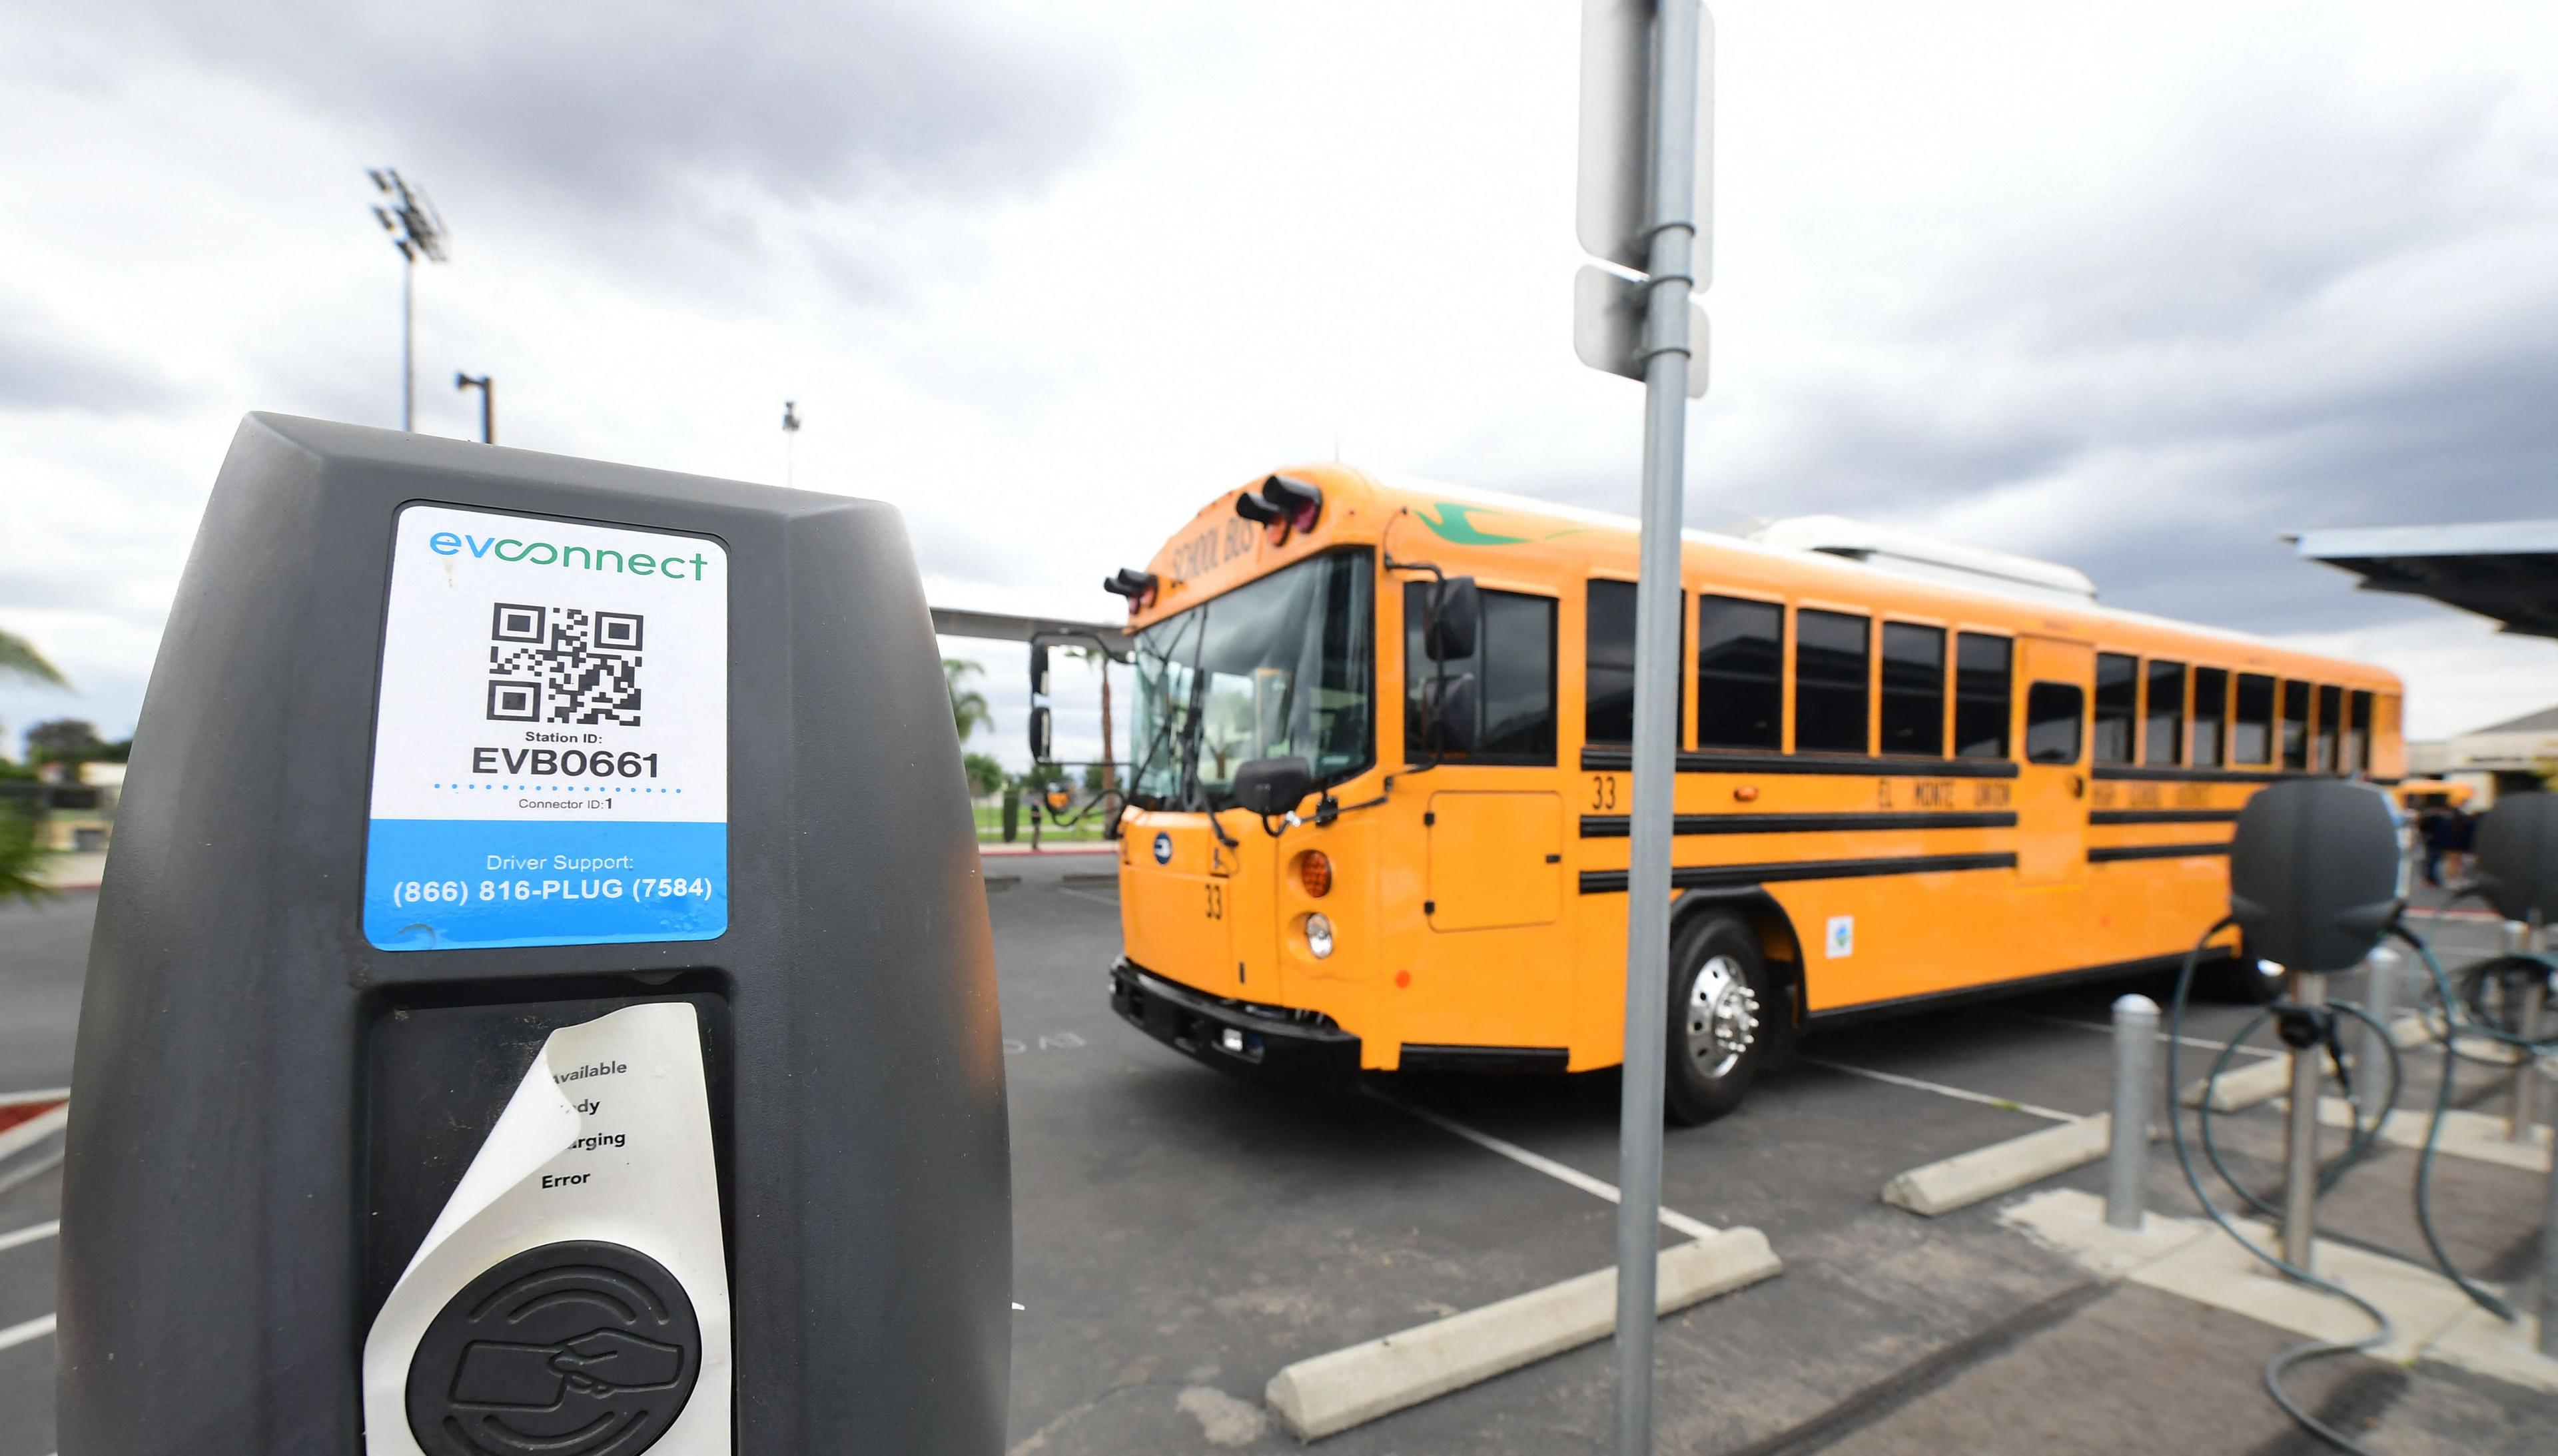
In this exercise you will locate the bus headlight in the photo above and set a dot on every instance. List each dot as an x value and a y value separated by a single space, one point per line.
1319 935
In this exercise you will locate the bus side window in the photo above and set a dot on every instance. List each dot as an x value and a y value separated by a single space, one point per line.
2296 724
2163 722
2252 739
1914 689
2331 718
1514 670
1740 674
1608 663
2053 712
2118 706
1983 687
2357 735
2210 707
1831 652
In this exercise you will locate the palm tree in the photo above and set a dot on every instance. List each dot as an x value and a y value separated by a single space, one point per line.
19 659
968 710
20 852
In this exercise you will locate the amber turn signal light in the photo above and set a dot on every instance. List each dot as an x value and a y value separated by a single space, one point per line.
1315 872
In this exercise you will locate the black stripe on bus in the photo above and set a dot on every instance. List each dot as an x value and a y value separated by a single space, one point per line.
2146 774
1836 1016
1622 760
1727 876
2106 854
1614 826
2164 816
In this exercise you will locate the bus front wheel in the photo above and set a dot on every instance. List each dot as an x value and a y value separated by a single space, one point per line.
1720 999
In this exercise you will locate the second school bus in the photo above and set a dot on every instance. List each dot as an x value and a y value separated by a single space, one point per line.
1891 789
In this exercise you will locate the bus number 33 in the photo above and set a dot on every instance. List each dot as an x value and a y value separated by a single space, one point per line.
1215 901
1602 791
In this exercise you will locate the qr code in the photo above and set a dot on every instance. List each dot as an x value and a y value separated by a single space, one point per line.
564 664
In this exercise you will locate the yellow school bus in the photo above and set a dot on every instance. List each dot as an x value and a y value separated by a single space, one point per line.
1378 817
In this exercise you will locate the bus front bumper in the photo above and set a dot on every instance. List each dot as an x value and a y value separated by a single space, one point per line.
1233 1035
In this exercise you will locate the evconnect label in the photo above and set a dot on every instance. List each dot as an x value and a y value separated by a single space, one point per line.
550 742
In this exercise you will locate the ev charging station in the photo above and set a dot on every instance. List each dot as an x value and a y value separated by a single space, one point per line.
542 1002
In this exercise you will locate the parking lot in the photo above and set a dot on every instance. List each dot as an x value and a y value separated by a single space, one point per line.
1182 1236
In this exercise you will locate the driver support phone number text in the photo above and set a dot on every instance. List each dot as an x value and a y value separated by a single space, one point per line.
458 892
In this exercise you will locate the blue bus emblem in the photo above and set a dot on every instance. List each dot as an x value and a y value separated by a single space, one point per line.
1163 848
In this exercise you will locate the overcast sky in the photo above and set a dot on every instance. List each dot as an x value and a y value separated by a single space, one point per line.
2133 288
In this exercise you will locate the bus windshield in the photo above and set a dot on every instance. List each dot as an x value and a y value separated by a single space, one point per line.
1279 667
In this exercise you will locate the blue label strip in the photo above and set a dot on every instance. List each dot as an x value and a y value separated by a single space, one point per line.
458 884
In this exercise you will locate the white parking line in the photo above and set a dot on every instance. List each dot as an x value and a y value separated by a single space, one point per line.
1110 900
35 1329
2203 1044
1942 1090
1670 1218
28 1235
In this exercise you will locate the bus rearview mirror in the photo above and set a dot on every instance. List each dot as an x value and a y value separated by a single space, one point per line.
1039 735
1269 787
1039 669
1453 625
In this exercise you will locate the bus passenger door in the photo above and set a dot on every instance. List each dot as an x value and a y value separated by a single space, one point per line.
2056 677
1498 971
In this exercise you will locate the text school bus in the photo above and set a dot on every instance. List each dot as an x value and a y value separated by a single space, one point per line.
1928 775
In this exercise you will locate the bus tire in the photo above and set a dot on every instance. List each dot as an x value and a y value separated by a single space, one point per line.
1722 1005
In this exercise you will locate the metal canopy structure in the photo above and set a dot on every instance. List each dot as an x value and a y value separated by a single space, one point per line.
2504 570
1005 627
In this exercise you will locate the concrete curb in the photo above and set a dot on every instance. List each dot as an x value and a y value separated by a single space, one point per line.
2466 1135
2271 1076
2249 1085
1330 1393
1965 1179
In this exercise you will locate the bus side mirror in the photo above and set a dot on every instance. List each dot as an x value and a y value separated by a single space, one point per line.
1447 713
1270 787
1039 669
1454 621
1039 735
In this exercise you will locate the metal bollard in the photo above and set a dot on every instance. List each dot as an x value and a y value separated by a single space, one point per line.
2549 1267
2136 1092
2300 1134
2524 1102
2381 999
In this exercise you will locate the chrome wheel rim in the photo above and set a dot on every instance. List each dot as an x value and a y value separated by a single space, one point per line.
1721 1016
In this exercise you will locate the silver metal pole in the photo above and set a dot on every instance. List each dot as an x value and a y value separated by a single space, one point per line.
1656 646
2300 1134
2549 1267
2381 999
2522 1108
2136 1090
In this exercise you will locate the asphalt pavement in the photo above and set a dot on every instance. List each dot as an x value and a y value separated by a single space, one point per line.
1181 1237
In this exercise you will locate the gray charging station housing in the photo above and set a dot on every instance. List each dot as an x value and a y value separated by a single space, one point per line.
2314 871
270 1107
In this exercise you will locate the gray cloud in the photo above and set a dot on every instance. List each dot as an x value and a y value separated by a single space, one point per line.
41 370
633 119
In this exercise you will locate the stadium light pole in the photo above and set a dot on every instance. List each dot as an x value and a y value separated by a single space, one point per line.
408 215
487 403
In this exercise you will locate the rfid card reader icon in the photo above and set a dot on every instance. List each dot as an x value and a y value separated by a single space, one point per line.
574 1349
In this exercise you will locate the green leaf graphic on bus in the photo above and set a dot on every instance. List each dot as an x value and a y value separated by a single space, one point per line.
1454 524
